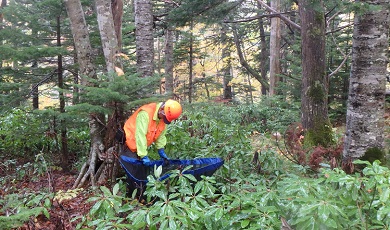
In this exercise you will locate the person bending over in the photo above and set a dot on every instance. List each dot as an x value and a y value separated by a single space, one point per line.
147 125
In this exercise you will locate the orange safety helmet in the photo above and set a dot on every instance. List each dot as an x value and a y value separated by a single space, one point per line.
172 110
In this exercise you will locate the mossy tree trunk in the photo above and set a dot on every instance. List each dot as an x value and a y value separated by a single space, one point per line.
367 83
314 107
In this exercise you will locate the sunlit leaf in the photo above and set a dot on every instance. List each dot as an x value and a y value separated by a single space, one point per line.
218 214
244 223
115 189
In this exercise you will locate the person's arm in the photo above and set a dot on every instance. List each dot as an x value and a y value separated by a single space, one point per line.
162 139
141 128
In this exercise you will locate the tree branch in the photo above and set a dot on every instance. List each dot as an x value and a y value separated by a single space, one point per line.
41 82
256 17
281 16
344 60
244 63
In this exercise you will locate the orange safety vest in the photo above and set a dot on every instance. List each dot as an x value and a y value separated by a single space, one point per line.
154 129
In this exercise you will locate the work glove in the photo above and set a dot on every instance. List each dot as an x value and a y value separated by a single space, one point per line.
162 154
145 160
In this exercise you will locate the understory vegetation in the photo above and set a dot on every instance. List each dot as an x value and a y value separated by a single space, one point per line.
268 179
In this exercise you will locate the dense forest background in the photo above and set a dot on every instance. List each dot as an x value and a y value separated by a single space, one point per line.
290 94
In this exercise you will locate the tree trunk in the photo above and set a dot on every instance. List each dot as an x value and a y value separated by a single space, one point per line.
367 83
64 139
110 44
35 96
2 5
226 62
168 54
168 65
117 14
206 87
76 81
191 53
264 54
274 47
314 106
86 67
144 37
107 33
244 63
81 40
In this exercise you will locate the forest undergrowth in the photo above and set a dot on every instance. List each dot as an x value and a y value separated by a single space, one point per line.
268 181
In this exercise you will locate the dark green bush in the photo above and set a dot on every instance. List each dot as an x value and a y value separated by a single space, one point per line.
25 133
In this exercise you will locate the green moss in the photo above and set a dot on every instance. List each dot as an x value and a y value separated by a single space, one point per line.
316 92
315 32
321 134
319 15
373 154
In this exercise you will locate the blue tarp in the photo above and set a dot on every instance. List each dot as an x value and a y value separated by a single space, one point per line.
201 166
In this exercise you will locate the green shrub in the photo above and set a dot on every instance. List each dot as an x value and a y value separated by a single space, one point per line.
25 133
16 209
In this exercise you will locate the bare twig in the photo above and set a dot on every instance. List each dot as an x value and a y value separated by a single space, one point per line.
346 56
340 28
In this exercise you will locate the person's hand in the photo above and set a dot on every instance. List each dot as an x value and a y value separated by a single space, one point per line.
145 160
162 154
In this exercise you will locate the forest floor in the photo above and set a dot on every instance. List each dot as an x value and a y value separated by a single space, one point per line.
61 212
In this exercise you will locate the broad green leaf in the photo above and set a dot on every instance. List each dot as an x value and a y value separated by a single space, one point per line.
193 215
208 223
95 222
244 223
173 196
218 214
190 177
309 224
164 224
46 213
301 219
157 171
170 211
47 203
198 187
115 189
383 213
201 201
105 190
323 212
148 219
125 208
172 223
331 223
96 207
384 196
